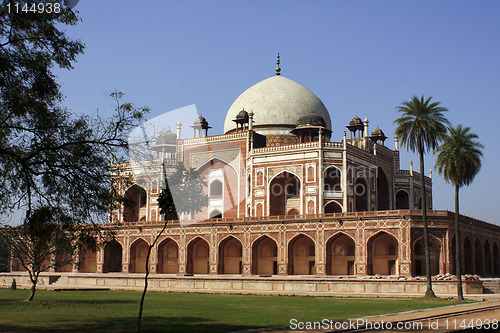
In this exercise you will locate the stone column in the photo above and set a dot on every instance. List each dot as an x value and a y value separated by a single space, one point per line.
361 264
126 253
182 253
100 259
75 261
282 252
246 260
404 252
214 253
320 251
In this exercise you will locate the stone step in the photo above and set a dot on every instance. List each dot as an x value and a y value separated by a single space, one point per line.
491 286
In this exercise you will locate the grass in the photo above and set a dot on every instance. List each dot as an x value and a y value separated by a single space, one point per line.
116 311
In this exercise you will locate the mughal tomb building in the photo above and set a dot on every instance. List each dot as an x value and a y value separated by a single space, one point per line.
287 197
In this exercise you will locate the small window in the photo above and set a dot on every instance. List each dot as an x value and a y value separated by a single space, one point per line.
215 214
216 188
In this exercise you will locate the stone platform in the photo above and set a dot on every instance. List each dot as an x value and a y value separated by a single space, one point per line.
370 286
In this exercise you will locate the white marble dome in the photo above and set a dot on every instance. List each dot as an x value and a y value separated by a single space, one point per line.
277 104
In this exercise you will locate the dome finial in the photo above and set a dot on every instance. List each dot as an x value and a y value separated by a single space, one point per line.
278 69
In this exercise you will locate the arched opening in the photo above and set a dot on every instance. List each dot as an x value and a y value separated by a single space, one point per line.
487 259
332 179
301 256
382 254
310 174
310 207
478 258
468 266
216 189
383 195
361 191
292 212
419 257
260 178
230 253
112 257
168 257
496 260
64 262
259 211
88 260
402 200
340 255
284 193
198 257
332 207
264 256
215 214
135 199
138 253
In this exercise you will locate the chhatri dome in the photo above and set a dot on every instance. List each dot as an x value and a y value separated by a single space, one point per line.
277 103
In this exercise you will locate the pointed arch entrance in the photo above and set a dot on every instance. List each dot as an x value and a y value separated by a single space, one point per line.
383 192
230 253
138 253
301 256
419 257
198 256
487 259
402 200
478 258
264 256
112 257
88 260
468 266
135 199
382 254
332 207
496 260
340 255
168 257
361 192
284 193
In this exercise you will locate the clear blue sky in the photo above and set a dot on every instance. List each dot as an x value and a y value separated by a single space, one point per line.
359 57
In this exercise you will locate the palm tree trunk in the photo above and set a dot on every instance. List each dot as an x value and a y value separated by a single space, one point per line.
429 293
458 254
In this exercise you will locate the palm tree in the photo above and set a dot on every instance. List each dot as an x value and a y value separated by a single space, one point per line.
420 129
459 160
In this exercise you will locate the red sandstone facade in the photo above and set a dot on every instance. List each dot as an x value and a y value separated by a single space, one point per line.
285 200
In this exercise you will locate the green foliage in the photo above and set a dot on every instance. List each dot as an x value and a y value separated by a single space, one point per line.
422 124
459 156
115 311
183 192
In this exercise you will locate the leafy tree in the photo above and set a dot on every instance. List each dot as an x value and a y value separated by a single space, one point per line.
188 185
52 160
459 161
420 128
47 234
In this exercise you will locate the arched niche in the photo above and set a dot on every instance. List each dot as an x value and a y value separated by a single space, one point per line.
264 256
382 254
340 255
135 199
301 256
230 254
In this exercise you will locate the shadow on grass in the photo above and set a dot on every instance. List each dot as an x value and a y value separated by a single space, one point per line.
129 324
71 302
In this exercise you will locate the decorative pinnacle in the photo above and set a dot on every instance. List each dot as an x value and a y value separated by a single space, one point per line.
278 69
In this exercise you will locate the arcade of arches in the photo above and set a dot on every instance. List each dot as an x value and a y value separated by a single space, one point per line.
333 247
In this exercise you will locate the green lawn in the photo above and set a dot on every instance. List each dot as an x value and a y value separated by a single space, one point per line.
116 311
